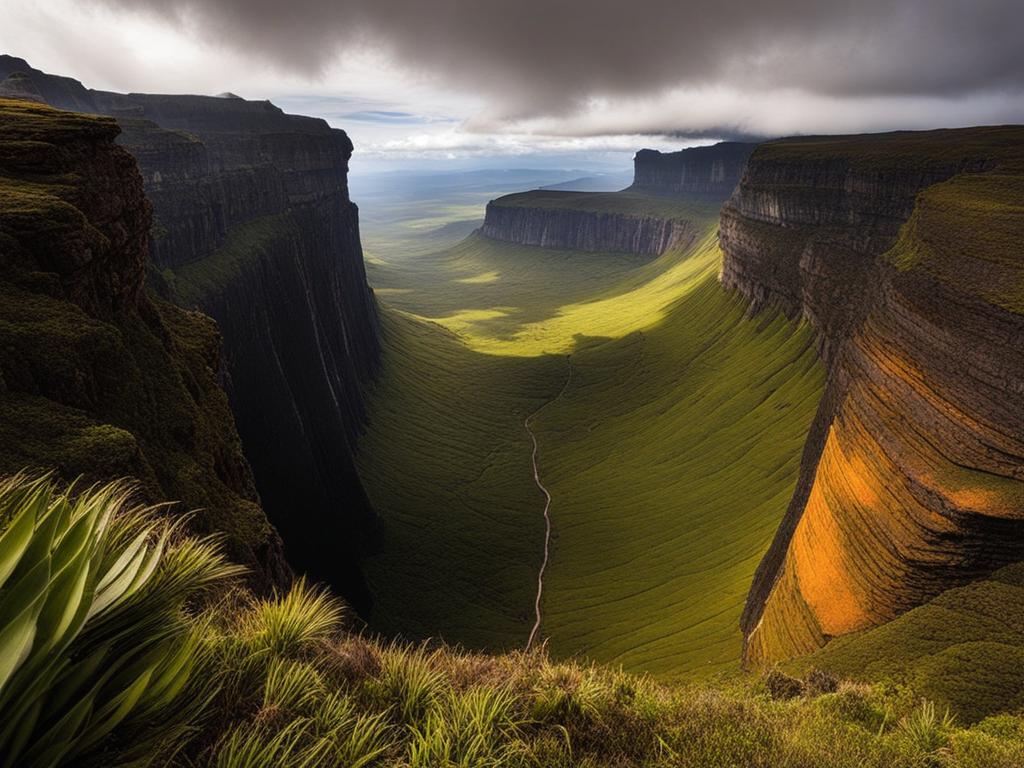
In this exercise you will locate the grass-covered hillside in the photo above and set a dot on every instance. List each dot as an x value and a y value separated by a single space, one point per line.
964 649
125 642
669 428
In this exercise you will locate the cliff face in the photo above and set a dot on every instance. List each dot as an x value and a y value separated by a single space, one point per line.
701 172
97 378
622 222
253 225
585 230
902 251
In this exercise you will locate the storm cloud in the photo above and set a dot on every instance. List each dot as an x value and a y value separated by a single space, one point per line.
532 58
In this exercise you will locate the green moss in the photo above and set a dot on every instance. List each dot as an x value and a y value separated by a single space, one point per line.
967 232
244 244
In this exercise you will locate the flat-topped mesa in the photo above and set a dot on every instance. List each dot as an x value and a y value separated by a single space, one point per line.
619 222
903 252
709 173
253 224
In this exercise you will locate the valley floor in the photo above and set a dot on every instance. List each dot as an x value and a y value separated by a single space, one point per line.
670 455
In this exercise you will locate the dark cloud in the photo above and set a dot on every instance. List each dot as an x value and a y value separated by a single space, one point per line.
546 57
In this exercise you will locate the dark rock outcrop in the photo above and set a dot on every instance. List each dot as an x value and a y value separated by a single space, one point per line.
700 172
253 225
98 378
903 252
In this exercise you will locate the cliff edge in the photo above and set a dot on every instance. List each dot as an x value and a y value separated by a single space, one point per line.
709 173
616 222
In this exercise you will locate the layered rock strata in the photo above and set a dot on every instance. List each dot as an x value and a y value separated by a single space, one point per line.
903 252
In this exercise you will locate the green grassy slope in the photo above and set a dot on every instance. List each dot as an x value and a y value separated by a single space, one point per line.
676 402
671 457
446 462
964 649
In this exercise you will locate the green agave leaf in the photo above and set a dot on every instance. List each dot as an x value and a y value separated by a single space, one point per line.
111 714
72 540
50 747
22 732
41 545
15 540
63 606
22 604
152 561
123 560
174 675
116 589
76 679
67 590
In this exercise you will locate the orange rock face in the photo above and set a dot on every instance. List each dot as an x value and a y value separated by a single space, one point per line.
913 479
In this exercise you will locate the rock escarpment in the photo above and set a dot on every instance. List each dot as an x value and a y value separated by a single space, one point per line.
655 214
253 225
621 222
903 253
98 378
700 172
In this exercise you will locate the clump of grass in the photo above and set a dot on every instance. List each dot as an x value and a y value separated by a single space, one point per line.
926 729
302 616
409 684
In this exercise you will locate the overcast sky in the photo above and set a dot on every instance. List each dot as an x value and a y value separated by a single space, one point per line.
530 78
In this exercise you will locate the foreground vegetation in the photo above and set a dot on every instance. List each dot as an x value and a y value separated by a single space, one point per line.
126 642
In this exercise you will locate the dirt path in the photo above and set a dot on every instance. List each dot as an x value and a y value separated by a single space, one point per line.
547 504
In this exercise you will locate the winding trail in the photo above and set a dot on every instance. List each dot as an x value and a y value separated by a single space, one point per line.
547 504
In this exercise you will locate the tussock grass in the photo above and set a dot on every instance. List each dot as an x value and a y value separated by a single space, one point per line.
145 666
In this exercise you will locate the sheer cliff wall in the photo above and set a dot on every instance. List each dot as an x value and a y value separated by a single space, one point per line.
699 172
903 253
99 379
254 226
